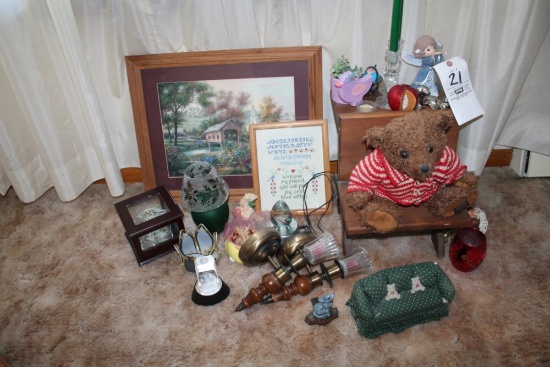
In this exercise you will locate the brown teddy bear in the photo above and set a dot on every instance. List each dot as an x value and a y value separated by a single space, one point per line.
410 165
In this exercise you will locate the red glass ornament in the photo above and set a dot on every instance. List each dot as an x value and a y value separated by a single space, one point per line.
468 249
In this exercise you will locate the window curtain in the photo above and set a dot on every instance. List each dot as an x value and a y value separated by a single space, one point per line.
527 126
65 112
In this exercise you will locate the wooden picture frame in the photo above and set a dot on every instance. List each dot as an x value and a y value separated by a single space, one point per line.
287 158
145 72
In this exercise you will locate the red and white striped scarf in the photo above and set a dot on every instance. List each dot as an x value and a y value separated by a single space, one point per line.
375 175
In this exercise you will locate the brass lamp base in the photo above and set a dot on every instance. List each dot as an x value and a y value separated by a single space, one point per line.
259 249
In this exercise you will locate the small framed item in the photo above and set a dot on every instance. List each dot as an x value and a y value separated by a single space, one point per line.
288 159
152 221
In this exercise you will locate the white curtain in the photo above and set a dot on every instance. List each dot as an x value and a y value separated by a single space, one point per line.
65 112
528 124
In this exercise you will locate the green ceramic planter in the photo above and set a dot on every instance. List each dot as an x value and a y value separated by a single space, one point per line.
214 220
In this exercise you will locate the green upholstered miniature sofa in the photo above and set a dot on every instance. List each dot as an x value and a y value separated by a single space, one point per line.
394 299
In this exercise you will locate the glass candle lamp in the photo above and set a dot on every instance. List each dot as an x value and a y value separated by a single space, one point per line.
205 195
468 248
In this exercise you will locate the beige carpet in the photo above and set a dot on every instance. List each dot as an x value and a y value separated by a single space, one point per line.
72 294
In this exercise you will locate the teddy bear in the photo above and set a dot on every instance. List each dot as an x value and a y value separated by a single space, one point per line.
410 164
392 292
417 285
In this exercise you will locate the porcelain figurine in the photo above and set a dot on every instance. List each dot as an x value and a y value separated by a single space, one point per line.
427 53
323 312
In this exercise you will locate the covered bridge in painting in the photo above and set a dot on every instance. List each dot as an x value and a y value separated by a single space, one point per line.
228 130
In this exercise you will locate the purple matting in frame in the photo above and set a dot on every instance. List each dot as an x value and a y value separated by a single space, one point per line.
152 77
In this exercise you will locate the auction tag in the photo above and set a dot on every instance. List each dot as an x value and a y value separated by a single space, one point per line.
455 78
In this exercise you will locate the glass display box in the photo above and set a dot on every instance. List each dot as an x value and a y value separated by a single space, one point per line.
152 221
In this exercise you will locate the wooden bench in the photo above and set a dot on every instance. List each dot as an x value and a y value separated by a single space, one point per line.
351 128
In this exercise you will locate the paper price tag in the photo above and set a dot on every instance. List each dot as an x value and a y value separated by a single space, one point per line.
455 80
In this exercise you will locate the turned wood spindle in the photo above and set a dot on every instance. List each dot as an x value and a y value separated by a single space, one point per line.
302 285
270 283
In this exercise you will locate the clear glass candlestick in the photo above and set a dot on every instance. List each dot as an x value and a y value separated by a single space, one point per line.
391 74
393 66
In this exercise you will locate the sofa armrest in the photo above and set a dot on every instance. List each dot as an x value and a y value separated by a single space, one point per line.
360 303
445 286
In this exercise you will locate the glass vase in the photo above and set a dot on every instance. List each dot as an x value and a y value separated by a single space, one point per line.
468 249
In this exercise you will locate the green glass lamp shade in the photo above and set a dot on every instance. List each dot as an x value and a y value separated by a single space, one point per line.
214 220
205 195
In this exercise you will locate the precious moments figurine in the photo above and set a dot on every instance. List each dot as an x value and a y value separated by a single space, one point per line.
427 52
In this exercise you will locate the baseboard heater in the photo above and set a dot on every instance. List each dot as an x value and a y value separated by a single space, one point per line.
530 164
